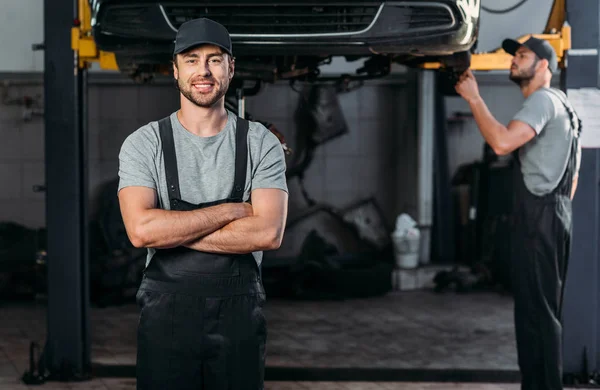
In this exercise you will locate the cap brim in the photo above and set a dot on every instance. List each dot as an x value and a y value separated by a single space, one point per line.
180 50
511 46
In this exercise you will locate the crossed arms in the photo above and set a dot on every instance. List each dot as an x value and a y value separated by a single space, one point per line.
229 228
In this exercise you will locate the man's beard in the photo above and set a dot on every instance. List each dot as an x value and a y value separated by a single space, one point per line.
200 99
523 78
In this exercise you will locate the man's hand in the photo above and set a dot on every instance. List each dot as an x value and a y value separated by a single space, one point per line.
467 87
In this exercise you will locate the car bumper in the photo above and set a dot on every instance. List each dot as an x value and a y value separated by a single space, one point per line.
443 28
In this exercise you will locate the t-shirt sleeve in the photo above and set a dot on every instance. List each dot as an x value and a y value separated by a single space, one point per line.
537 110
270 171
136 166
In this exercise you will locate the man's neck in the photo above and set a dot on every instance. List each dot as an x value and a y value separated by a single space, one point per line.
533 86
202 121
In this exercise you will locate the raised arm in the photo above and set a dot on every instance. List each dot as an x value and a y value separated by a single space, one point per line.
502 139
150 227
260 232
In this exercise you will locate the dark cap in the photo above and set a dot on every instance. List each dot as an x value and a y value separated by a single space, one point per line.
540 47
202 32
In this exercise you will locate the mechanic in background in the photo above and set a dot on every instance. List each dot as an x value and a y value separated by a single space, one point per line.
544 137
186 183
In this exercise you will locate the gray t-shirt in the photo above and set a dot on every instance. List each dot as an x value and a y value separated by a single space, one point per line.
206 165
544 158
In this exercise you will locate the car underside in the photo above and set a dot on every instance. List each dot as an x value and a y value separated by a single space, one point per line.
287 39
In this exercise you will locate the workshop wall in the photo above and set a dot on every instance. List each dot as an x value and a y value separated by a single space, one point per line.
115 110
21 157
375 158
362 163
465 143
21 26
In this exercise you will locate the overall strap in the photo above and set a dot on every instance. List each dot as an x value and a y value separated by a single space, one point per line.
241 158
574 118
170 159
567 178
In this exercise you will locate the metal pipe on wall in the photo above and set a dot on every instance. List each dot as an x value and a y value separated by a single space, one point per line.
426 133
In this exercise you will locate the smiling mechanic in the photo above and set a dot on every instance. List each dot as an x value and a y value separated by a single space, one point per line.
205 191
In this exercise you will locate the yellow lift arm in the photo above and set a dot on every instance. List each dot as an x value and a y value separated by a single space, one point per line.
500 60
557 32
83 43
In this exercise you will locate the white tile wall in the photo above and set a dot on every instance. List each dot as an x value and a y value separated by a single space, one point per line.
464 139
118 101
10 146
33 174
32 140
272 102
111 135
348 144
11 180
11 210
34 214
11 113
156 102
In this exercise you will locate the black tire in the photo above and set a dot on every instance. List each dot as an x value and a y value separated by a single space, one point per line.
458 62
453 67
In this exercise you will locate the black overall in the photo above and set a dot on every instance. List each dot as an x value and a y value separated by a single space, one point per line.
201 322
541 247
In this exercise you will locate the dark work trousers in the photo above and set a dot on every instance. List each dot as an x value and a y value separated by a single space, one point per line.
541 247
201 323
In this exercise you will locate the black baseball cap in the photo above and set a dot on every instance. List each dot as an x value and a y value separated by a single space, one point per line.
202 31
540 47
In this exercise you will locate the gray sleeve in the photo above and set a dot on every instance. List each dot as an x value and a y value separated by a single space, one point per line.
270 171
136 160
537 111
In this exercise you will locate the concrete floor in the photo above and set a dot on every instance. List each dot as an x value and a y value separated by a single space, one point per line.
128 384
398 331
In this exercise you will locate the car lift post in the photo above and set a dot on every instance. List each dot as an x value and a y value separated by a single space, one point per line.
67 353
241 101
581 313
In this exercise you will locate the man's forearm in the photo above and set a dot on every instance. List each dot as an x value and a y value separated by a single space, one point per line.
167 229
493 131
242 236
574 186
